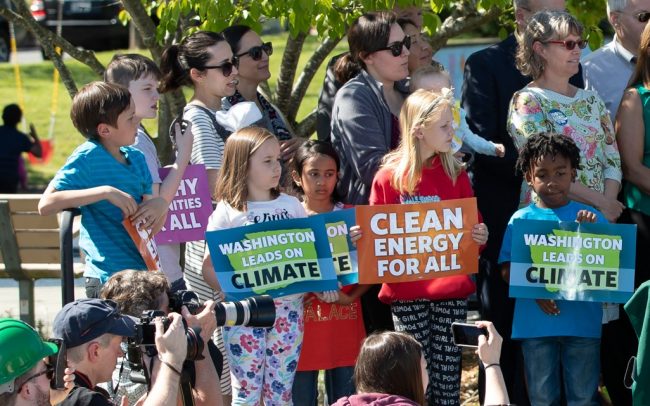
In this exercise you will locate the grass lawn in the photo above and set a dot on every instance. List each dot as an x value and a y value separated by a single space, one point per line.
38 89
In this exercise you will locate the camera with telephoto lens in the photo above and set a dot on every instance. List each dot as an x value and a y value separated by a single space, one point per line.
257 311
145 334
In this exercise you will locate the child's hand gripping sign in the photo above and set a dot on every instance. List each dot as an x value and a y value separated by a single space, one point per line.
409 242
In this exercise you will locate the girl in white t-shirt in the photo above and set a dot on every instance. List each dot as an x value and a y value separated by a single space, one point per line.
262 361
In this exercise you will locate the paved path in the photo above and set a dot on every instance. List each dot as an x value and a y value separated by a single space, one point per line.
46 305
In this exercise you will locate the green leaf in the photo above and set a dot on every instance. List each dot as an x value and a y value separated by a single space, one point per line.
123 16
431 23
436 5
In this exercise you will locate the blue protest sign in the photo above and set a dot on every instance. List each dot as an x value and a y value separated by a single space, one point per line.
274 258
344 253
572 261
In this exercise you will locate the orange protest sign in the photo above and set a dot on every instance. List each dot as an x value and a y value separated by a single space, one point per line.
410 242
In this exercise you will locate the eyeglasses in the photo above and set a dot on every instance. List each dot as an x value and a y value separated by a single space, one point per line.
49 371
256 52
226 67
570 44
396 48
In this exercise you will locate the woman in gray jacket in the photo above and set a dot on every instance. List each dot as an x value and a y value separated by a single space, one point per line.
364 118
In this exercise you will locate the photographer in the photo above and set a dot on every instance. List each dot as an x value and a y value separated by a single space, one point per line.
24 375
93 330
136 292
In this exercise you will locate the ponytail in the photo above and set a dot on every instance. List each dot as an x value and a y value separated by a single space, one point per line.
174 74
346 68
178 60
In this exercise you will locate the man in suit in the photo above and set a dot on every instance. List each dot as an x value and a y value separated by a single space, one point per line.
490 79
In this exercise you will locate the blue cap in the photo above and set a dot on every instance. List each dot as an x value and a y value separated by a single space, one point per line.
84 320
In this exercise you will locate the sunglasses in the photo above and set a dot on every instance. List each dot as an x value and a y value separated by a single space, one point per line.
643 16
396 47
226 67
256 52
49 371
570 44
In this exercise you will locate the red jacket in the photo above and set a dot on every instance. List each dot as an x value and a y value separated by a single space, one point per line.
434 186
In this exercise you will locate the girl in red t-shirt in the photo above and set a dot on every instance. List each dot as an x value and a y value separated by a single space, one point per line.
334 327
423 169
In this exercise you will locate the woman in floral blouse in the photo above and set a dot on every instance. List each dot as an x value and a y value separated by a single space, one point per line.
549 52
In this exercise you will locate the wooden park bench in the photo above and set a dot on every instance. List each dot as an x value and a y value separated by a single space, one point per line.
35 247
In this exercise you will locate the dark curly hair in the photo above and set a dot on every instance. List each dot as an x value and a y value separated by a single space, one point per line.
541 144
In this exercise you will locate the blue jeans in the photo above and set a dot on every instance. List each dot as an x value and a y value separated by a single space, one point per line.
548 359
338 383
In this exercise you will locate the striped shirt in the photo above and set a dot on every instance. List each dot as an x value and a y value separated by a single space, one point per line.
207 149
208 145
103 238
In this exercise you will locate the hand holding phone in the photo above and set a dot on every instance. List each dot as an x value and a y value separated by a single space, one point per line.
466 334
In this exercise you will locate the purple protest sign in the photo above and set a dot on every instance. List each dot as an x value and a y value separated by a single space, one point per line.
189 211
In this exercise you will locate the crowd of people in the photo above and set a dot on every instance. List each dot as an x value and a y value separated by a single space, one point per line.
542 131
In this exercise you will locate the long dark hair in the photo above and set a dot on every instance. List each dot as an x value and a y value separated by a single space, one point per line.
234 34
311 149
389 363
367 34
178 59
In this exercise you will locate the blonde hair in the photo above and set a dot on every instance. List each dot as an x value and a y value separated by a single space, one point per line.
420 109
232 186
543 27
434 69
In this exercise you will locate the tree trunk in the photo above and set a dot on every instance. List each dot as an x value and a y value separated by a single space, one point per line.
307 126
305 78
145 26
462 20
48 39
288 70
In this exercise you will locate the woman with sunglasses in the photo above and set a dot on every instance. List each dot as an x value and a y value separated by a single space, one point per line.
205 62
253 57
549 52
364 119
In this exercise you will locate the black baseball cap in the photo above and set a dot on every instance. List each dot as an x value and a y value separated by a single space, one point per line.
84 320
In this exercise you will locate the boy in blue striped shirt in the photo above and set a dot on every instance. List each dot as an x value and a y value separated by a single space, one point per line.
106 178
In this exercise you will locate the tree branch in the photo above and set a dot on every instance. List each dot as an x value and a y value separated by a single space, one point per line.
305 78
462 20
57 60
288 70
307 126
49 39
145 26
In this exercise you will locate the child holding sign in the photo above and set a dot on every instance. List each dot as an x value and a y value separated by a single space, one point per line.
423 169
141 75
333 331
559 339
262 361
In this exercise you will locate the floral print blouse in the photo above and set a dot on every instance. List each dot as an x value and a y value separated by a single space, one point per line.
582 117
